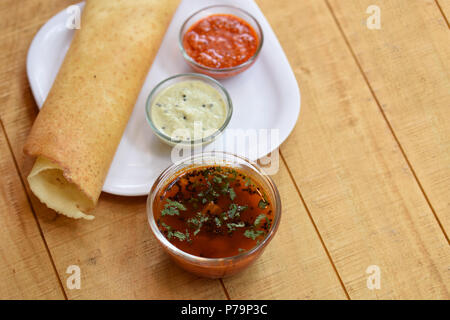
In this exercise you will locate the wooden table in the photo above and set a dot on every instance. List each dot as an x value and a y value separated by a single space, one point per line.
364 178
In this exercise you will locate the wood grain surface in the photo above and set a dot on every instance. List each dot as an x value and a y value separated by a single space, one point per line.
25 266
350 170
444 7
410 81
364 177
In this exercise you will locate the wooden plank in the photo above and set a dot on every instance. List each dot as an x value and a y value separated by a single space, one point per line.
294 265
26 271
408 69
357 185
117 255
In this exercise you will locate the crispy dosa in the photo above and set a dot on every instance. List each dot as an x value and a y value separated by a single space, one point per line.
78 130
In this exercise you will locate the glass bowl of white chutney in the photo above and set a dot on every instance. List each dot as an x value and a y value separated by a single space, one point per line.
188 109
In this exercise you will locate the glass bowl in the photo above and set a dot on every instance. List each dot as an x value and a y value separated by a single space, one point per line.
185 77
221 73
214 267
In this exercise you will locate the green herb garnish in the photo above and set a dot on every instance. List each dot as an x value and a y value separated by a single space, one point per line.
166 226
226 189
169 230
232 193
232 211
259 219
253 234
268 223
181 236
176 204
197 222
170 211
242 208
171 208
263 204
217 179
234 174
232 226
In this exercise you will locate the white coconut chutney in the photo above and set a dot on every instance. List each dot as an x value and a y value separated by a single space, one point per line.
189 110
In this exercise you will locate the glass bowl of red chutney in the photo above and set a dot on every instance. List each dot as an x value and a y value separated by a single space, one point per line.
214 213
221 41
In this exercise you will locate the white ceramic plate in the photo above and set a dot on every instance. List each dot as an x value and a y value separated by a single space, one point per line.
264 97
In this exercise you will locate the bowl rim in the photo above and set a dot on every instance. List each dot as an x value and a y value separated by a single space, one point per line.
196 259
204 140
221 70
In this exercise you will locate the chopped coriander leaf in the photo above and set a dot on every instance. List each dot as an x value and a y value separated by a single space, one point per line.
209 194
217 179
232 226
253 234
197 222
214 193
171 208
206 172
166 226
259 219
177 234
176 204
169 230
188 236
202 217
217 220
232 194
170 211
241 250
268 223
223 176
193 221
263 204
242 208
181 236
198 219
232 211
235 210
225 188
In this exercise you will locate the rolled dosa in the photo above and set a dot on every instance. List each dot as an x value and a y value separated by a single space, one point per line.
78 130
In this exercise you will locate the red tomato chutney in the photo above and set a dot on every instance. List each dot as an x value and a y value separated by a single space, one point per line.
213 212
220 41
